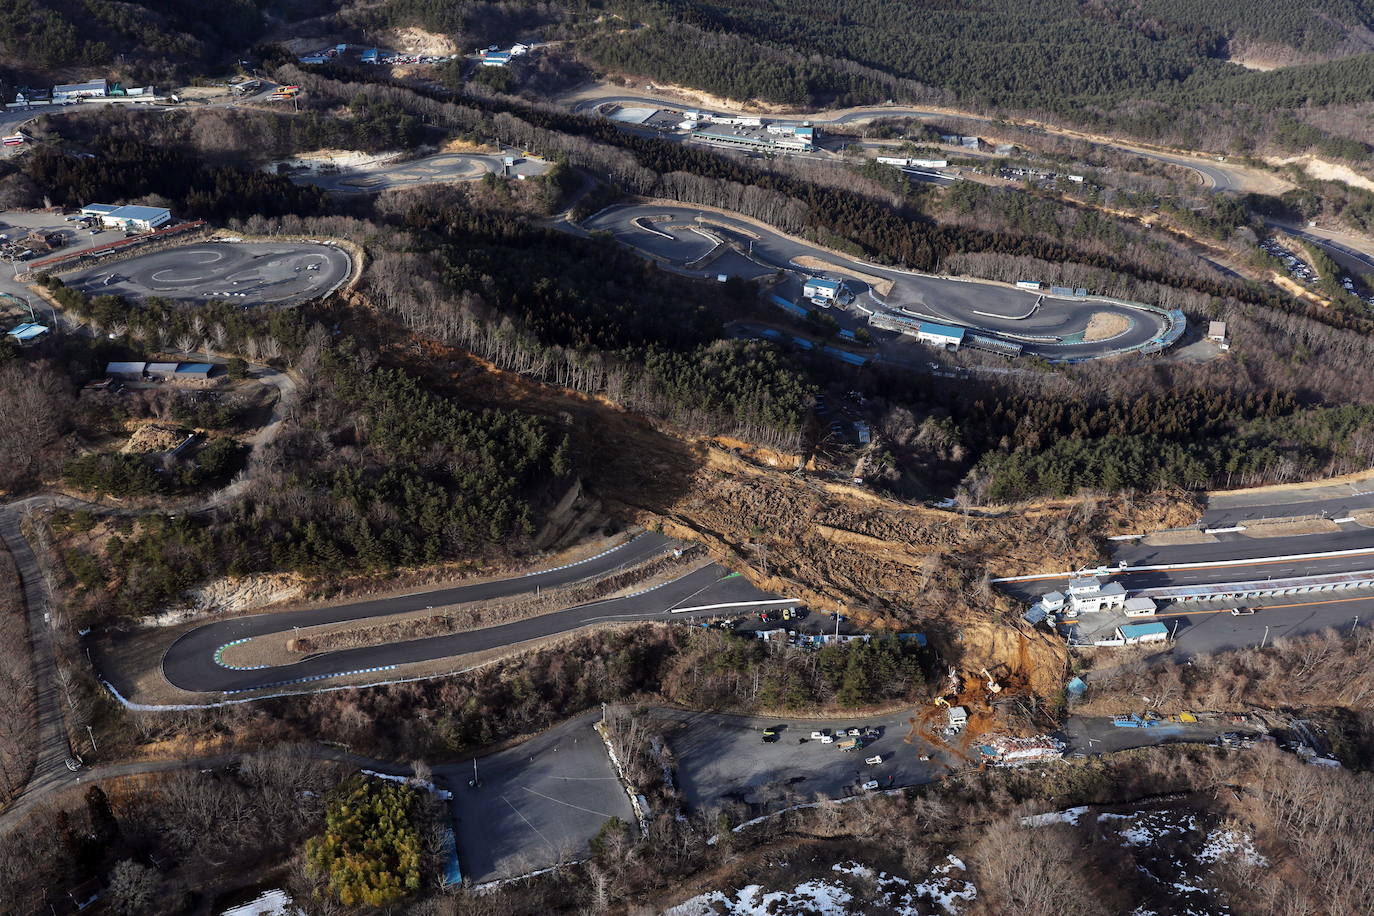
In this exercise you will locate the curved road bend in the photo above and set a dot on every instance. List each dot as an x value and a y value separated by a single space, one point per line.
1002 310
189 663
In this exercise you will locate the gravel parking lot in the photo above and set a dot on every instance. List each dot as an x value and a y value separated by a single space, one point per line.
539 803
723 759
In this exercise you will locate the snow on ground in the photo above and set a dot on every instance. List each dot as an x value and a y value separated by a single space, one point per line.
857 886
1148 827
1231 844
269 903
1067 816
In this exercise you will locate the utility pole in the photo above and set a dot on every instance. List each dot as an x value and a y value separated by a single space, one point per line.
94 748
1355 624
1266 637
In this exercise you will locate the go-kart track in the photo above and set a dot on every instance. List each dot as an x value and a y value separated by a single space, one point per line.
248 273
1057 328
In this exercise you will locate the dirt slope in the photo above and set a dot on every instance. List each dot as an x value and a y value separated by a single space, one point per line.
890 565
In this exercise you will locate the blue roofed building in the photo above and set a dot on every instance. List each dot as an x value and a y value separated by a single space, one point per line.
822 290
941 335
1134 633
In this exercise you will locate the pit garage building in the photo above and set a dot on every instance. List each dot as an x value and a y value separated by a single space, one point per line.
940 335
141 219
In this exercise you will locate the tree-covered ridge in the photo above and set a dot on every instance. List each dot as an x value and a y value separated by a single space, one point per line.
370 851
1062 57
144 38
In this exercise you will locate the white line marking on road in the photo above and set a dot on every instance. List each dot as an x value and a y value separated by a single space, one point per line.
527 822
565 804
712 607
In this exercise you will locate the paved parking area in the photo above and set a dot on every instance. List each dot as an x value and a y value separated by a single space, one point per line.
723 759
539 803
246 273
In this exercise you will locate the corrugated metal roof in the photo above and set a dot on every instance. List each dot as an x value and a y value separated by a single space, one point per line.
28 331
195 368
823 283
942 330
100 208
133 211
161 368
1134 630
124 368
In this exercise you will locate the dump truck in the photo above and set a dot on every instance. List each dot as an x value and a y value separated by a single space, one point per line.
848 744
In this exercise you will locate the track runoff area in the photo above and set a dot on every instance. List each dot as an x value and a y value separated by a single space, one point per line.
247 273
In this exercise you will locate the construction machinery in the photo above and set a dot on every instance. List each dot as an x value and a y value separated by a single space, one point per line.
993 687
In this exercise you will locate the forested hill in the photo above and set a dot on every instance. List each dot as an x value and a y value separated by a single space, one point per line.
145 39
1091 62
997 52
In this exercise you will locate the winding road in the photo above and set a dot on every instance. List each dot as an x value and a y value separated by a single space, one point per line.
1043 325
192 662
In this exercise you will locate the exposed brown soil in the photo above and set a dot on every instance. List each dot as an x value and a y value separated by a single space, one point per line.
890 565
1105 325
1286 529
1174 538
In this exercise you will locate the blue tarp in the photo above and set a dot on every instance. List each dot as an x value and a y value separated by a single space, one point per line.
1076 686
452 873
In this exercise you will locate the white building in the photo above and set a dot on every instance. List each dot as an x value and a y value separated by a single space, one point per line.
940 335
1140 607
823 290
958 717
95 89
141 219
1087 595
1133 633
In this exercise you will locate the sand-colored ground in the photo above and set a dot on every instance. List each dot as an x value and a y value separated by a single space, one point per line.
880 285
1288 529
459 145
1105 325
1325 171
411 41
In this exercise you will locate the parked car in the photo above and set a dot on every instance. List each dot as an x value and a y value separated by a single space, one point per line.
874 760
1242 611
854 733
826 739
870 785
816 736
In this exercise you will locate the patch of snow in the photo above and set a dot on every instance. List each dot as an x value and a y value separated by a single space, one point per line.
831 897
414 783
1067 816
1224 844
275 902
853 868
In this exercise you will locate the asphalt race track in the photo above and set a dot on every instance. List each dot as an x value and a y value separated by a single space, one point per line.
190 662
246 273
436 169
1052 328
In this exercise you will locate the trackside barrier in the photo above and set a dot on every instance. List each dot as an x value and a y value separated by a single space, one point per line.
1248 561
101 251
